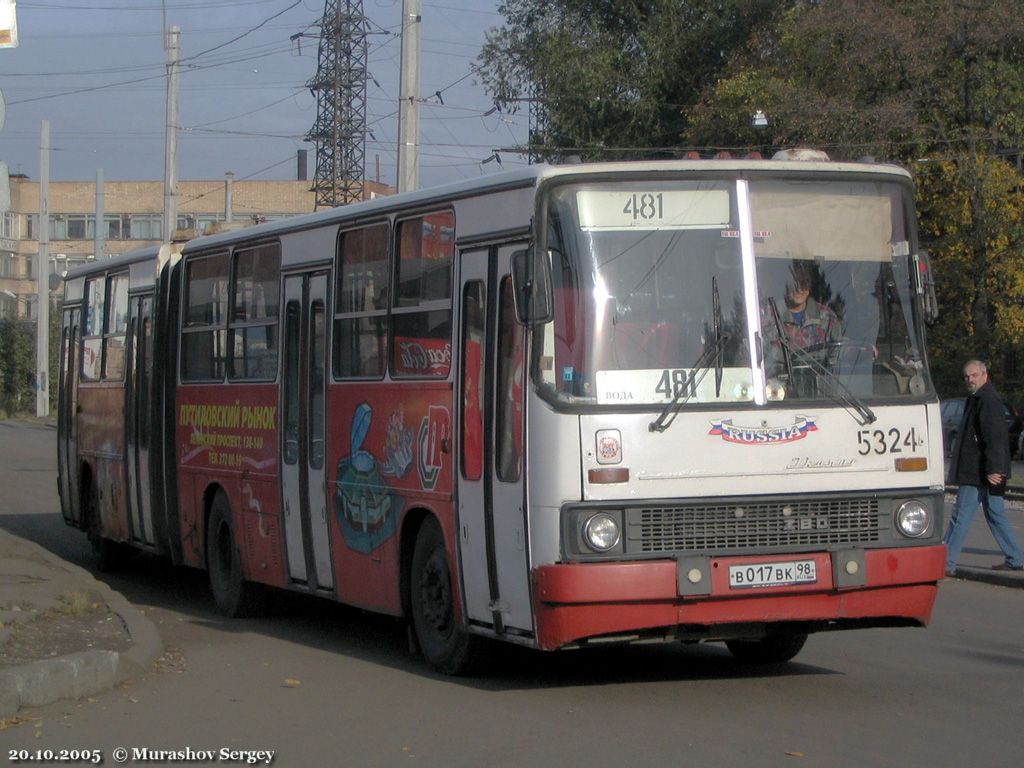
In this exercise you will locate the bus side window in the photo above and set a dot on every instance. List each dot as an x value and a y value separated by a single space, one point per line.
116 327
92 344
509 392
204 335
253 325
361 303
473 330
421 314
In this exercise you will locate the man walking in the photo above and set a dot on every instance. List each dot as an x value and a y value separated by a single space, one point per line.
980 465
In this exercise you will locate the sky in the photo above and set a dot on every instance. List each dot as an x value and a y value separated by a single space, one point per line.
95 69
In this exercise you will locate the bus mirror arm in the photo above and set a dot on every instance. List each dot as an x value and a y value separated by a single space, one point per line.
924 282
531 280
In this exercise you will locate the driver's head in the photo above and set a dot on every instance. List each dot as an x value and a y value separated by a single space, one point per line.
798 286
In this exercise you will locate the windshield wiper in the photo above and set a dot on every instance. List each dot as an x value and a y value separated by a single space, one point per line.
663 421
667 416
716 315
839 391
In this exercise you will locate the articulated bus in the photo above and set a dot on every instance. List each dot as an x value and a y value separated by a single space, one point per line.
564 406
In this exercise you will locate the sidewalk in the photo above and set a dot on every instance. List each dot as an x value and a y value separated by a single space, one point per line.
981 552
45 600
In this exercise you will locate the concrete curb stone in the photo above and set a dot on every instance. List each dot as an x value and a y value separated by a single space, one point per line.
84 673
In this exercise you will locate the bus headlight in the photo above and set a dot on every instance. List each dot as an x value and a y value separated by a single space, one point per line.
601 532
913 519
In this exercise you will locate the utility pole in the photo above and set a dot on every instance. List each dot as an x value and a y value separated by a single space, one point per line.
229 178
409 98
43 277
97 247
171 136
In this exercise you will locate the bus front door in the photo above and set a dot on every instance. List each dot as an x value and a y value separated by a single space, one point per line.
67 422
491 498
138 423
303 474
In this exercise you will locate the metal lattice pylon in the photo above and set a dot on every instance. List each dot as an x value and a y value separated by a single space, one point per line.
340 89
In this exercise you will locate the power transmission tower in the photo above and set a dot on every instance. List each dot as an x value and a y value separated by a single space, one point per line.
340 87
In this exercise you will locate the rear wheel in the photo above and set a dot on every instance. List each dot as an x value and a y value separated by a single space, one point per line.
109 555
773 649
231 592
445 645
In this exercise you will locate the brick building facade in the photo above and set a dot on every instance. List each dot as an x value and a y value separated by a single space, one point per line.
132 218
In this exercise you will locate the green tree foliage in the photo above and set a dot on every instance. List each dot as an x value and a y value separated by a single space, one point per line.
972 215
895 78
17 361
937 85
614 77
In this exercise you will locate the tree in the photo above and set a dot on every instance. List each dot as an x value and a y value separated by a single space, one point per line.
614 77
937 85
17 357
890 77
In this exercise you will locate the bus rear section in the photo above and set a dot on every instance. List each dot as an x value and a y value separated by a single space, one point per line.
732 434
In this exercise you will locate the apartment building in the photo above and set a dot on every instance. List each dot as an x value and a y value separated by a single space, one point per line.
132 217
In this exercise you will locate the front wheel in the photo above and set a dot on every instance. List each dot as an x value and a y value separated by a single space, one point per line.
445 645
231 592
773 649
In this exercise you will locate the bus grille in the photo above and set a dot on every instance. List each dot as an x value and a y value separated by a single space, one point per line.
754 526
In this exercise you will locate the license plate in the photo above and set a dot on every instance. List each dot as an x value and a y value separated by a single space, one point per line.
772 574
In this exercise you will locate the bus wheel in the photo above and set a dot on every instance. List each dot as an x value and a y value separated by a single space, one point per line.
445 645
773 649
109 555
231 593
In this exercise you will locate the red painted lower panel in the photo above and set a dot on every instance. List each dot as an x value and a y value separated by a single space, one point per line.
577 601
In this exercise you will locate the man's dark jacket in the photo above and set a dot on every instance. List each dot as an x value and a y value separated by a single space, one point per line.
982 445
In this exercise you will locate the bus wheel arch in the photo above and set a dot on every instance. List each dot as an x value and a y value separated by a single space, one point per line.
232 592
109 555
443 639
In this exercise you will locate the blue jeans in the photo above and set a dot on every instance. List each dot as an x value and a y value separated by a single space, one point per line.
967 499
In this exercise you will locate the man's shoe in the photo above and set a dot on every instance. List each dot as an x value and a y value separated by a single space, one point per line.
1007 567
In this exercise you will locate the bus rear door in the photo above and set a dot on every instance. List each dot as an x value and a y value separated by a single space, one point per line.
303 474
67 423
139 424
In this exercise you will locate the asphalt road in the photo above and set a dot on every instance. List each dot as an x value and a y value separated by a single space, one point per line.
319 683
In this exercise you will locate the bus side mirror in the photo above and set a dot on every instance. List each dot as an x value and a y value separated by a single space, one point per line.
925 284
531 275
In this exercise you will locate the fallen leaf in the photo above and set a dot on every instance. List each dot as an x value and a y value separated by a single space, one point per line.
291 682
795 754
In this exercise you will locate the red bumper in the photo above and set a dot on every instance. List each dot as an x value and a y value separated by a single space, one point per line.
578 601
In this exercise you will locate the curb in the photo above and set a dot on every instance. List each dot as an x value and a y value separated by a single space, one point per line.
85 673
988 576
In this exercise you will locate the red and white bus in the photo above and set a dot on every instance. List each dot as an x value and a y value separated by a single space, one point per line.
561 407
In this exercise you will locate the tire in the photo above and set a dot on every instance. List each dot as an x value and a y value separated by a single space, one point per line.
231 592
109 555
445 645
773 649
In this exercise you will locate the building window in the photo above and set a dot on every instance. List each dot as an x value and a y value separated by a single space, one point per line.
9 226
143 226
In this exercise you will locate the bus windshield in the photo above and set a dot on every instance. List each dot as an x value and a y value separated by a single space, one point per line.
730 291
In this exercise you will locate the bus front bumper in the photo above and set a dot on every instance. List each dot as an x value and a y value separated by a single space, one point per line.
575 602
